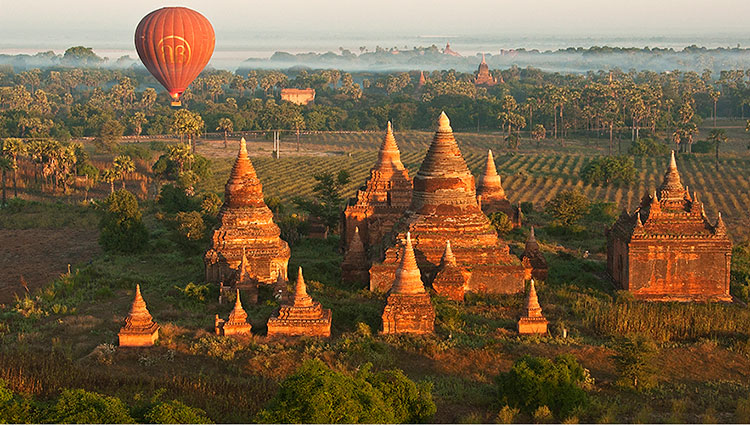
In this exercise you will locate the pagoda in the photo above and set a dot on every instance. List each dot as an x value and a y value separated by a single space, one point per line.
444 207
449 281
532 257
409 309
532 321
422 80
491 195
303 317
667 250
245 226
236 324
382 200
450 52
356 267
483 77
140 330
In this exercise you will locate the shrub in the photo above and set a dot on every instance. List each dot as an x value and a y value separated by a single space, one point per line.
501 222
191 225
80 406
14 409
174 412
568 207
411 403
173 199
609 169
647 146
121 227
534 382
507 414
633 361
210 204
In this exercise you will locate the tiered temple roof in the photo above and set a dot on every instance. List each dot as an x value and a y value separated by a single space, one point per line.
303 317
245 223
484 77
667 249
532 321
444 207
140 330
409 309
382 200
236 324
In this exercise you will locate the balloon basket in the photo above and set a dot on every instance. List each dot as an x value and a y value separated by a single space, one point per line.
176 104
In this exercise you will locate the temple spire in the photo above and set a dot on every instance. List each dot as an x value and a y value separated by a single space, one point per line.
444 123
533 309
483 60
720 227
389 155
408 278
301 298
448 257
671 188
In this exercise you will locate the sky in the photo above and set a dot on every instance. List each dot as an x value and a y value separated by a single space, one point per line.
240 25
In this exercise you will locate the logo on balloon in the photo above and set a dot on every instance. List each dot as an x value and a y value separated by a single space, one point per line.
176 52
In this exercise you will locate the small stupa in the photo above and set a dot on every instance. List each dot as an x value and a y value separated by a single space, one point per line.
140 330
449 281
243 280
355 268
409 309
532 322
237 322
491 195
304 317
532 257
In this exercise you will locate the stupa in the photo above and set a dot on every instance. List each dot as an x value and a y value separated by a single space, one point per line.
409 309
355 268
532 322
245 222
243 280
484 77
422 80
382 200
444 207
667 250
236 324
532 257
449 281
491 195
140 330
304 317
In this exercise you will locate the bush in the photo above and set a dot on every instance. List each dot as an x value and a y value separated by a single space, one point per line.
14 409
121 227
317 394
534 382
210 204
703 146
609 169
80 406
501 222
633 361
191 225
647 146
173 199
174 412
568 207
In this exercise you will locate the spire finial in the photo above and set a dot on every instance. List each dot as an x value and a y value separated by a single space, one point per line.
237 302
672 162
448 257
483 61
444 123
243 146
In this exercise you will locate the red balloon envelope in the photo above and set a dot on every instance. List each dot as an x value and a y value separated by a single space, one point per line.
175 44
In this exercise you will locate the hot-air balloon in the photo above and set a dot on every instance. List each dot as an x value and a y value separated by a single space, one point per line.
175 44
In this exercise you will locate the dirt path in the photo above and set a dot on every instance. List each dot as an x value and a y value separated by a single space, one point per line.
40 255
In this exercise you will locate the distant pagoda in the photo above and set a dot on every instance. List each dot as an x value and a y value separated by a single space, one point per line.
532 257
236 324
408 309
484 77
422 80
246 230
667 250
444 207
355 268
491 195
303 317
382 200
532 321
450 52
140 330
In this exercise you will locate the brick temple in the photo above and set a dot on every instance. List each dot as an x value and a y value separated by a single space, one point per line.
532 321
491 195
236 323
408 309
303 317
382 200
449 281
140 330
484 77
443 208
667 250
246 230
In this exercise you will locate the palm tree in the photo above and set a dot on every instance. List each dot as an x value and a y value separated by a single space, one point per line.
110 175
11 148
538 133
717 137
225 125
5 166
715 94
123 164
137 121
187 123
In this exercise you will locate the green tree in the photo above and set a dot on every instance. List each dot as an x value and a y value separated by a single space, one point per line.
5 166
533 382
633 360
328 202
411 402
501 222
11 148
191 225
123 164
175 412
109 133
136 122
226 126
609 169
717 137
121 227
80 406
187 123
568 207
538 133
